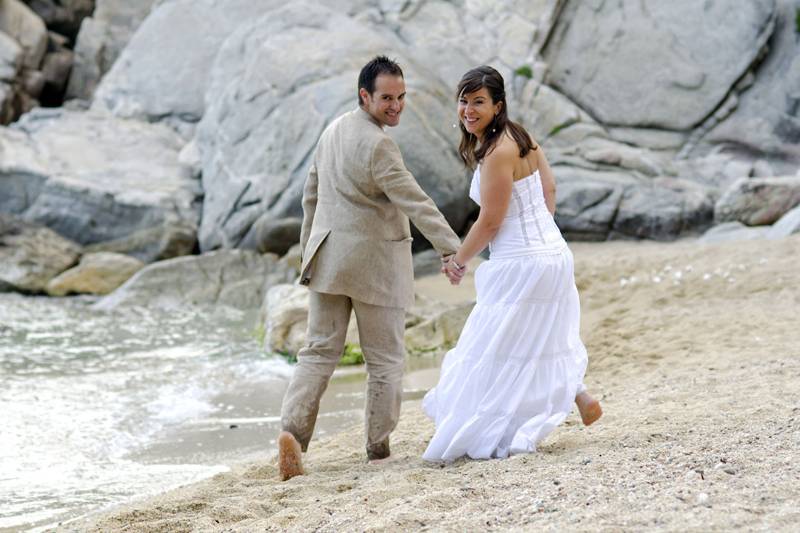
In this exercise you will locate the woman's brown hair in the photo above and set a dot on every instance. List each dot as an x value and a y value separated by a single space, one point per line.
474 80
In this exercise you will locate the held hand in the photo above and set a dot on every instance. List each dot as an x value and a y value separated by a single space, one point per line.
454 271
446 259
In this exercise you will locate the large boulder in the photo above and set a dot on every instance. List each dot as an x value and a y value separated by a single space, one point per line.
439 333
509 32
732 231
766 119
285 318
587 202
10 62
236 278
55 71
269 235
266 111
31 255
789 224
758 201
23 25
163 72
64 16
636 63
101 40
552 118
92 177
23 43
663 209
97 273
10 58
597 205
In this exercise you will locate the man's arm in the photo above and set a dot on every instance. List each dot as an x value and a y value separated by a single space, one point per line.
309 205
403 190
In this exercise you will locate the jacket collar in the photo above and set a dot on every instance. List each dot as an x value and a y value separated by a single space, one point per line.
360 113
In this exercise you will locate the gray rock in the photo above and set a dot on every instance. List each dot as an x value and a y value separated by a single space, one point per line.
762 169
56 68
101 40
587 202
259 132
285 318
664 209
23 25
10 58
438 334
758 201
552 118
654 139
97 273
164 69
236 278
647 64
596 205
292 258
717 170
732 231
612 153
427 263
63 16
10 61
31 255
274 236
766 120
33 82
284 315
93 178
789 224
7 110
153 244
509 31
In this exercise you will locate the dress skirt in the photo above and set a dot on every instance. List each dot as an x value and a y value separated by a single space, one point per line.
518 364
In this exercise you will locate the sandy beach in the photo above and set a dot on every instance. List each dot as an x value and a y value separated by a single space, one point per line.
695 354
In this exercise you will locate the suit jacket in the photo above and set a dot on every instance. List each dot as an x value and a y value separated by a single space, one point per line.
357 202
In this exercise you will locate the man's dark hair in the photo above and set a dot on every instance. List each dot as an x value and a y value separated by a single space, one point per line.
379 65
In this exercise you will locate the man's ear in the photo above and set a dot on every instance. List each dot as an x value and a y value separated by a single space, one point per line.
362 92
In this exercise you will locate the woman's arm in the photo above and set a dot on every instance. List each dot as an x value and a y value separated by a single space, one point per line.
548 180
497 177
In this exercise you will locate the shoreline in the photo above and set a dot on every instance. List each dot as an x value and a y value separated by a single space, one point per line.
693 352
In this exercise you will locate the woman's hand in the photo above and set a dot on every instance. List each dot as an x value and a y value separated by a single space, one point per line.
453 270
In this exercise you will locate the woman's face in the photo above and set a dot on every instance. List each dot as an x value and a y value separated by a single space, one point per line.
476 111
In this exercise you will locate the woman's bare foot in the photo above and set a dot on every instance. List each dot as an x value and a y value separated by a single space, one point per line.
589 408
290 462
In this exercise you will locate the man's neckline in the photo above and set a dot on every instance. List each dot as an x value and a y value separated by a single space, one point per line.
366 116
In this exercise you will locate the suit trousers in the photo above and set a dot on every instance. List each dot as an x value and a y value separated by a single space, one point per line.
381 331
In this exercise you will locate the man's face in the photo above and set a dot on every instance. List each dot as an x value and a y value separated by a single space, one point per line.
388 100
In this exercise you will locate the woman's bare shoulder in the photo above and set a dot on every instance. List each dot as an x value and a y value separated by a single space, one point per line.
505 151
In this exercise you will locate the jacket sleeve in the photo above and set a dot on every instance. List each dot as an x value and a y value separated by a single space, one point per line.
309 206
402 189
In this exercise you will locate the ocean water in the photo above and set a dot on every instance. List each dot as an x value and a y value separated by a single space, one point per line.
99 407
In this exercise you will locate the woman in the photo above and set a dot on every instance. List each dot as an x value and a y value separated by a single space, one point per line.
519 362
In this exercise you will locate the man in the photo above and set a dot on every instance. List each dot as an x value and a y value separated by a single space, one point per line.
356 254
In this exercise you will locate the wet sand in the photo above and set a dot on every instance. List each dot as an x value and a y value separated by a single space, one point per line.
695 353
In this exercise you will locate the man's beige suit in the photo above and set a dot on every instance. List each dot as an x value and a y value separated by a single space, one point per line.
356 244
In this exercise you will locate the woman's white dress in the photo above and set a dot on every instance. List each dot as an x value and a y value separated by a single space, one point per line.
515 371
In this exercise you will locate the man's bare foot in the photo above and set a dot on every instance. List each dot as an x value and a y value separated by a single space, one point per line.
589 408
290 462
